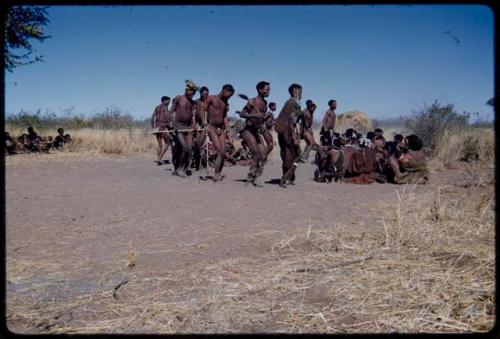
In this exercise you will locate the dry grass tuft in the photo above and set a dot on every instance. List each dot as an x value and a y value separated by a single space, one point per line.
472 145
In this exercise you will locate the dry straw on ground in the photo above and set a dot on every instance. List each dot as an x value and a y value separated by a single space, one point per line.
427 266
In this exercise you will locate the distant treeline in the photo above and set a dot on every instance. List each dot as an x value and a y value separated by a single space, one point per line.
110 118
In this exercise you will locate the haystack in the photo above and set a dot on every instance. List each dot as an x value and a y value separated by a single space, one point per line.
353 119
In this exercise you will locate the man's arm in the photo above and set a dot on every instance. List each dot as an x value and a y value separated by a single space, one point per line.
245 112
153 119
171 112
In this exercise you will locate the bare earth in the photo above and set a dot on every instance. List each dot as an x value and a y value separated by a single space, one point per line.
72 219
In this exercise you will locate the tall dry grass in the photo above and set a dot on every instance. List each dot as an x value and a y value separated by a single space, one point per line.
112 141
476 144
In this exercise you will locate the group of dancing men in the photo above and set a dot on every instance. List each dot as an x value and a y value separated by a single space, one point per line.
185 125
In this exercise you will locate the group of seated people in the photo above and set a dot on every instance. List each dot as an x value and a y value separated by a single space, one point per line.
360 159
32 142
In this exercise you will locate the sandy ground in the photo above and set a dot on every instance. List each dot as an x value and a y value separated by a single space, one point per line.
72 219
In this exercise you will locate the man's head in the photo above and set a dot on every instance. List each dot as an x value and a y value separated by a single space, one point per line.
227 91
60 131
398 138
272 106
332 104
191 88
378 131
204 93
165 100
413 142
295 91
371 136
30 129
311 106
349 133
264 88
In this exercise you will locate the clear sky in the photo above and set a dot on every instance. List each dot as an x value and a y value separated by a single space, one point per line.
382 60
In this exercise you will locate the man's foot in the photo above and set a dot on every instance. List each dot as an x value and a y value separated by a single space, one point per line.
290 182
158 163
256 182
189 172
283 182
249 180
181 174
174 172
166 162
217 177
398 178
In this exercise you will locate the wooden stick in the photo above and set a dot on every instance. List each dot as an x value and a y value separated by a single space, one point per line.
174 131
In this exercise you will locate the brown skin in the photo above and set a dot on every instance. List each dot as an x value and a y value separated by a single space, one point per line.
269 124
306 120
182 112
330 117
217 108
287 137
254 113
201 118
159 120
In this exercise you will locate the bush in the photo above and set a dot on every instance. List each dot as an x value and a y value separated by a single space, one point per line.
432 121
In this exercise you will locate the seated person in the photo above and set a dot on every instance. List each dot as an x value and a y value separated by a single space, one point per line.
361 164
330 162
242 155
10 148
409 164
391 146
61 139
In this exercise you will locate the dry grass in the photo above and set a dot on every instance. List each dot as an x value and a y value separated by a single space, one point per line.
476 144
428 266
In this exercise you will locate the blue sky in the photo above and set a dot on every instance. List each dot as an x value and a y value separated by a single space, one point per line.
383 60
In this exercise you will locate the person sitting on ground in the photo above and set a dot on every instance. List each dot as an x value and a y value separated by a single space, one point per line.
360 166
243 155
60 140
329 160
409 164
23 144
10 148
391 146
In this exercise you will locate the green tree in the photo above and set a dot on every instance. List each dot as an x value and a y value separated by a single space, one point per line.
23 24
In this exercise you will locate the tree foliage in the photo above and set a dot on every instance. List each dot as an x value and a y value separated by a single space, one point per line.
432 121
22 25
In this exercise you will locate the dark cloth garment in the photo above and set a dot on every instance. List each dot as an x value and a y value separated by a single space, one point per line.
287 136
325 137
256 132
288 116
360 166
288 152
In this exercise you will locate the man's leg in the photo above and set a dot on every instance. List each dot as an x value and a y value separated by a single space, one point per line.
166 142
182 154
214 138
282 141
269 141
252 145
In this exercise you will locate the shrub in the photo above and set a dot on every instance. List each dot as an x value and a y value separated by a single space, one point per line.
431 122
